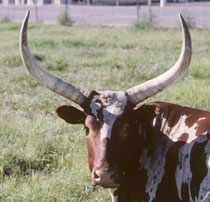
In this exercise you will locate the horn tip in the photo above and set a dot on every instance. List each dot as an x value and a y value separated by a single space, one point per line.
183 24
25 21
27 14
181 18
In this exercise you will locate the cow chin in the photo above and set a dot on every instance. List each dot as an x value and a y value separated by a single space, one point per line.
108 186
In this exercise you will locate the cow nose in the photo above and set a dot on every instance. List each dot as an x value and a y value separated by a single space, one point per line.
103 178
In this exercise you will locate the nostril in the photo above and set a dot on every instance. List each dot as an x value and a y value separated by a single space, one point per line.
96 176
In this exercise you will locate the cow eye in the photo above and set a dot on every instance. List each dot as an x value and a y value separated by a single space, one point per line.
87 130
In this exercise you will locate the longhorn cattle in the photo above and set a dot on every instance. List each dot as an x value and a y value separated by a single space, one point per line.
153 152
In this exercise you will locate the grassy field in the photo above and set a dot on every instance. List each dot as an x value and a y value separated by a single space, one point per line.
41 157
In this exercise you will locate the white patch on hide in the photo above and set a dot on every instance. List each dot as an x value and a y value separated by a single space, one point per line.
112 105
208 162
204 193
154 122
155 172
183 170
206 198
114 198
154 163
175 132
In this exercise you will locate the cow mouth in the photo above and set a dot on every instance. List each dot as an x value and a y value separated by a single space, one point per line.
106 186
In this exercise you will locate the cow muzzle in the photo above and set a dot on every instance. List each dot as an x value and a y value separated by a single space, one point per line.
106 178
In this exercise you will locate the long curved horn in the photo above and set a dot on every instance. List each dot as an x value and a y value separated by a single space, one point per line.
76 94
149 88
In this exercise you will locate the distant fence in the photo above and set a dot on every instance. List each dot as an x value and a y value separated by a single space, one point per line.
197 13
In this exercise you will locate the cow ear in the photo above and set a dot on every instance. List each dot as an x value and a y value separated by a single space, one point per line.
71 114
146 112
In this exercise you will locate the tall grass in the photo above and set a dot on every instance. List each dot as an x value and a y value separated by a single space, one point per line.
41 157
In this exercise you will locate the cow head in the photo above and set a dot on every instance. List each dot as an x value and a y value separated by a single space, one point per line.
109 117
107 121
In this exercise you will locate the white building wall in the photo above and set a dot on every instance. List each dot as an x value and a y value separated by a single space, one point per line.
5 2
30 2
19 2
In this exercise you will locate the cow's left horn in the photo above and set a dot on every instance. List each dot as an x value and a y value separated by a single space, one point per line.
149 88
76 94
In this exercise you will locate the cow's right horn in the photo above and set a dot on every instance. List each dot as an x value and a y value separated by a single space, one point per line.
76 94
149 88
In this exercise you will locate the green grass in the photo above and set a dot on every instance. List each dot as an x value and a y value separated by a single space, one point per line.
41 157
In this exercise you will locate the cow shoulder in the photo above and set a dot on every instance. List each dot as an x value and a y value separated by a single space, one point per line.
71 114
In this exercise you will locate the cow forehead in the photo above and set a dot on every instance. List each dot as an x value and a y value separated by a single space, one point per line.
108 105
